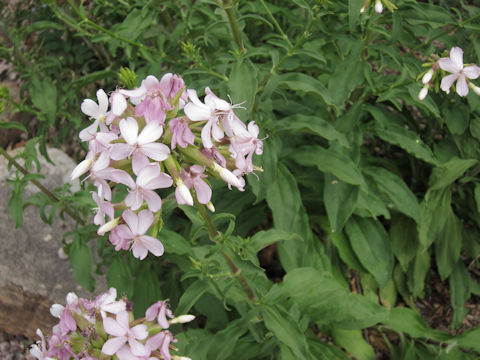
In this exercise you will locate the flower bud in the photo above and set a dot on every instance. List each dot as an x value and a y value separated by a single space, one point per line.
210 206
475 88
427 77
228 176
81 169
378 6
182 194
182 319
107 226
56 310
423 93
176 357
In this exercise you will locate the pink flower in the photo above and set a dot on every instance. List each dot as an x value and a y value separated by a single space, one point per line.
155 103
140 146
39 350
454 65
137 227
161 341
160 311
181 133
106 303
244 146
104 208
148 179
122 333
119 237
194 178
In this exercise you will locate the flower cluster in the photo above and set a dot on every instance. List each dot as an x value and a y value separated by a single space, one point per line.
154 137
459 73
104 329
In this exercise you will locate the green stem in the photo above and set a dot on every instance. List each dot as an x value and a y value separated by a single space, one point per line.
213 234
39 185
276 24
234 26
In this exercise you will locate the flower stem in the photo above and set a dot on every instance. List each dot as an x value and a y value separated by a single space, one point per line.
228 7
277 25
213 234
39 185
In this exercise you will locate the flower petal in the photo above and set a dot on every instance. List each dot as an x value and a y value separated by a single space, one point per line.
456 54
447 81
152 244
129 130
155 151
448 65
145 220
150 133
132 220
102 101
472 72
462 86
112 345
112 327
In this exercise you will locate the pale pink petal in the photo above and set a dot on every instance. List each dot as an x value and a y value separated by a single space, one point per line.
161 181
138 349
132 221
204 192
138 92
217 132
206 140
102 101
155 341
124 232
122 177
134 200
456 54
90 108
197 112
139 332
120 151
139 161
152 311
472 72
147 174
153 200
192 94
112 327
183 196
152 244
447 81
139 250
448 65
119 104
112 345
145 220
89 133
150 133
462 86
129 130
81 168
156 151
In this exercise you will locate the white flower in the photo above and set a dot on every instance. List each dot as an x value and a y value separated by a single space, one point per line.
454 65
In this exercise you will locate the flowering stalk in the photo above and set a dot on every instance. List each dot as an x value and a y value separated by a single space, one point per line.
227 5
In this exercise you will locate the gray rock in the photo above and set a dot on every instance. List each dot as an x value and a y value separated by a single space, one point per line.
32 274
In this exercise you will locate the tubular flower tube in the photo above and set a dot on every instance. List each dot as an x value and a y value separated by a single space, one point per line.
160 141
104 328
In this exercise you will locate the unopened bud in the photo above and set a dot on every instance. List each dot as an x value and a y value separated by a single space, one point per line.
210 206
182 194
107 226
423 93
228 176
81 168
427 77
182 319
378 6
71 298
56 310
475 88
176 357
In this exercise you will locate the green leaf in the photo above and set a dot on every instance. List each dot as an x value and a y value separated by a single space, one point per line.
396 190
457 117
329 303
264 238
173 242
354 343
286 330
243 86
314 124
460 289
448 245
354 7
81 260
396 134
434 210
224 341
289 215
445 174
404 239
340 201
469 339
421 266
307 84
119 276
44 97
191 295
402 319
329 160
146 289
371 244
13 125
